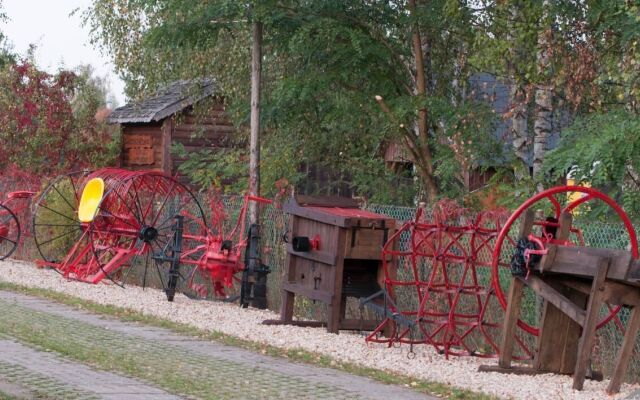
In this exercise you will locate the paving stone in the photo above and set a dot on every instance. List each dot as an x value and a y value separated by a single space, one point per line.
222 371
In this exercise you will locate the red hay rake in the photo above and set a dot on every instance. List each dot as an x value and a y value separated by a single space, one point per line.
139 222
453 273
11 233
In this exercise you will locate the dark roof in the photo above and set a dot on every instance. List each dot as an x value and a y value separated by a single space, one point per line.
167 101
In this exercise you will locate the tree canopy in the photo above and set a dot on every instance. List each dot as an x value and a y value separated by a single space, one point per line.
344 80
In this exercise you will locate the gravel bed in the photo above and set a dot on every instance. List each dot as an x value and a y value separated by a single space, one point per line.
246 324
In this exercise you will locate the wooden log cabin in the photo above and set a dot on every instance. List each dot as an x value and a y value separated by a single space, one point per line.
172 116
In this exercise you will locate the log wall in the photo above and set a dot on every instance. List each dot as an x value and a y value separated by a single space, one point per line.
194 132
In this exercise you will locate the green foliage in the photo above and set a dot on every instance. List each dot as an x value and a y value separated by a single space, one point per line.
603 149
222 168
324 63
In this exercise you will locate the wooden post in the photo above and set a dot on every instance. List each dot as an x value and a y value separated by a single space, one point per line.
510 323
254 145
564 332
624 354
514 300
167 131
591 321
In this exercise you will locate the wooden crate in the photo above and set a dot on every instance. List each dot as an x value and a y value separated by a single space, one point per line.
347 261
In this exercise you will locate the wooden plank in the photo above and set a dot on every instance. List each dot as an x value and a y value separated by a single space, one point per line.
334 313
510 323
303 324
527 223
520 370
625 352
324 257
583 261
556 298
634 273
288 297
326 201
140 156
137 140
311 293
615 293
365 243
557 342
167 128
591 321
515 370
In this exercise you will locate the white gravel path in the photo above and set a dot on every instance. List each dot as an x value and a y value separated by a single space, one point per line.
246 324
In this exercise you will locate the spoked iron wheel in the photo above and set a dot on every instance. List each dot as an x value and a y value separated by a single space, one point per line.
56 228
133 229
548 207
9 232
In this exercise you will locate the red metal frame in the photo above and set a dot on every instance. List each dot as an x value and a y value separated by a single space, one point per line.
455 249
134 221
10 228
447 258
590 194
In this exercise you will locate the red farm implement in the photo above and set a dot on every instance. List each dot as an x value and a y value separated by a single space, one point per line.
11 210
142 228
455 268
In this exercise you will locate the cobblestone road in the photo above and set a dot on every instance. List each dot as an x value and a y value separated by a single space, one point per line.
43 346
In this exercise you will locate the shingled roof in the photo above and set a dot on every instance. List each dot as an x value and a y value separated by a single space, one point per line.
167 101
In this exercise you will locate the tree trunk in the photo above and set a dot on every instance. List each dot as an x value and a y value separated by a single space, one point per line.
254 142
422 150
519 132
521 143
543 98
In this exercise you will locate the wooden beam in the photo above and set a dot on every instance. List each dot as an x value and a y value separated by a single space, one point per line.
615 293
324 257
254 146
634 274
591 321
557 342
583 261
167 127
510 323
625 352
556 298
519 370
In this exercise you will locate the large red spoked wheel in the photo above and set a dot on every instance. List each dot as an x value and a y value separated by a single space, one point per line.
548 205
9 232
133 229
56 228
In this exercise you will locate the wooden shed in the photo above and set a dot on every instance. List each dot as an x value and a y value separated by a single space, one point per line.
151 126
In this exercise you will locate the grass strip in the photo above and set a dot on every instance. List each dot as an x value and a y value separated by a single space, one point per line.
298 355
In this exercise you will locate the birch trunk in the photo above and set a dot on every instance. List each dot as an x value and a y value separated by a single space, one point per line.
543 98
521 142
519 134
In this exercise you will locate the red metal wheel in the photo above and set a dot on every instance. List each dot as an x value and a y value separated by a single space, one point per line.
133 230
551 203
55 224
9 232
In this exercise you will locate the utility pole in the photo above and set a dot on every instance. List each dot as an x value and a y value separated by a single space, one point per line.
254 143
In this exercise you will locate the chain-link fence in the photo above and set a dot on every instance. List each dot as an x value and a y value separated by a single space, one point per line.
594 234
275 224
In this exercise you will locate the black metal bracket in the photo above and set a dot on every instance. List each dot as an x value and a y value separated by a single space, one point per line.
174 258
